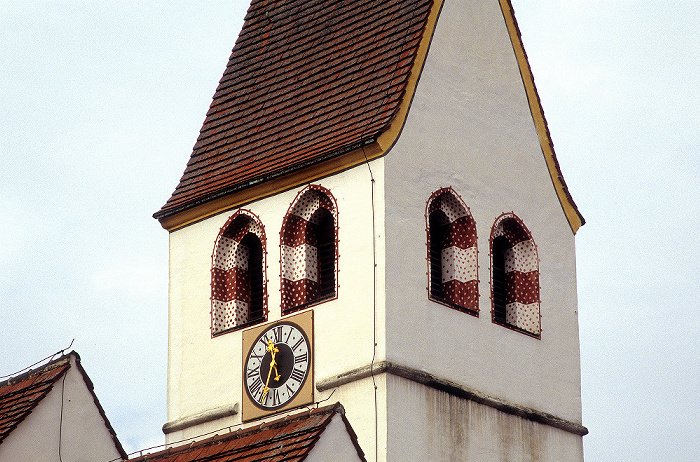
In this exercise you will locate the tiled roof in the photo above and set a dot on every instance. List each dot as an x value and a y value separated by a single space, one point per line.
286 440
307 80
20 395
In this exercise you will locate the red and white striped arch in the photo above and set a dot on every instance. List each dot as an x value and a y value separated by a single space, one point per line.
298 246
522 273
230 278
459 250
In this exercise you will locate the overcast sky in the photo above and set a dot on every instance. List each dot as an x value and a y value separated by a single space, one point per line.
101 102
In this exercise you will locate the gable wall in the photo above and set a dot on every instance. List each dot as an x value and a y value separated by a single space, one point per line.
335 444
470 127
82 430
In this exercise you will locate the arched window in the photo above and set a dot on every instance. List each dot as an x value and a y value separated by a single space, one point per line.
308 247
452 253
238 289
515 284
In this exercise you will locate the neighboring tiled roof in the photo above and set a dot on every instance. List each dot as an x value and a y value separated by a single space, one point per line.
307 80
19 395
286 440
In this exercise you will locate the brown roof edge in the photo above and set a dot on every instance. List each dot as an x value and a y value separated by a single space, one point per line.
163 214
573 215
262 189
331 163
389 137
351 432
100 409
333 409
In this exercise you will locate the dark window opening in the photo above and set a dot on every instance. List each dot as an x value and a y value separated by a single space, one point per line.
500 284
439 228
325 239
255 276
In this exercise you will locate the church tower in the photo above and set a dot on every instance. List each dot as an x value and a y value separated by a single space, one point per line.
373 214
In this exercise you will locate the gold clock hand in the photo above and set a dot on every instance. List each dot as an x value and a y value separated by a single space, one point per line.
273 364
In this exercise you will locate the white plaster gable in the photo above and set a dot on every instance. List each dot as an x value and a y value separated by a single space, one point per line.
334 444
469 127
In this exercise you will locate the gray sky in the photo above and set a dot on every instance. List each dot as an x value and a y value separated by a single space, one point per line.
100 105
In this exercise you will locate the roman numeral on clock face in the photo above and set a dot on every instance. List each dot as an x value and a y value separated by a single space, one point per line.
278 334
273 397
254 356
253 372
255 387
298 344
297 375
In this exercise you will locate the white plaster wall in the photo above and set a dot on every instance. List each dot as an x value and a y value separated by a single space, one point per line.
470 127
433 426
83 434
335 444
205 372
358 399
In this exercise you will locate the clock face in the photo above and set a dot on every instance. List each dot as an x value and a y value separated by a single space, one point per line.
277 365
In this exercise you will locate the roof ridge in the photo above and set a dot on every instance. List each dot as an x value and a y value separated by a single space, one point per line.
50 365
240 433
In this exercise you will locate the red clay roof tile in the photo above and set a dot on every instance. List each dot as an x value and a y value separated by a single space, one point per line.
20 395
288 439
307 80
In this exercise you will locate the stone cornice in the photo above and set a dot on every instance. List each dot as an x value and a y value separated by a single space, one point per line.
203 417
442 384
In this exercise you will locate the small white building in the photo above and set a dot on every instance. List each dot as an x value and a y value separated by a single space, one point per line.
373 213
51 414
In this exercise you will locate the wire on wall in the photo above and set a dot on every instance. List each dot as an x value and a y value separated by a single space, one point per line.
60 421
374 309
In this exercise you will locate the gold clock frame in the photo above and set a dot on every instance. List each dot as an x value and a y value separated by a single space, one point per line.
305 321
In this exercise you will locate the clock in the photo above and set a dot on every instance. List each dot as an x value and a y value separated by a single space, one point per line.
277 366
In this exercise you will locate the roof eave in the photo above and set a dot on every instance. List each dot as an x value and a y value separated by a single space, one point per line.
339 160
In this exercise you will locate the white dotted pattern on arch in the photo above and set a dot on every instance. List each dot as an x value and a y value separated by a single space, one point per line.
522 275
230 274
299 252
459 253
